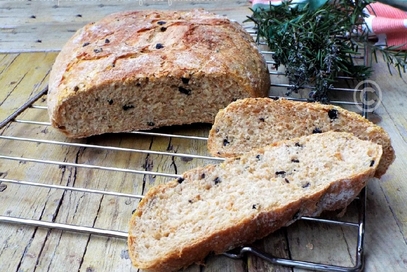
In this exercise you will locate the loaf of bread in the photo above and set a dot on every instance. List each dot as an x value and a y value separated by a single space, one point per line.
219 207
250 123
146 69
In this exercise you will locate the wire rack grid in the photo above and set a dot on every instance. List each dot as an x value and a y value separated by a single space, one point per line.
35 131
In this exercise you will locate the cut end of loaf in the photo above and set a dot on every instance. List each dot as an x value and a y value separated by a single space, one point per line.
252 122
218 207
136 105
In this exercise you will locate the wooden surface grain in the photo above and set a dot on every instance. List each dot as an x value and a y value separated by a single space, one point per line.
45 25
24 68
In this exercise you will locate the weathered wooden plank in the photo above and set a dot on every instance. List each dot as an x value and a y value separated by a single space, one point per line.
29 26
321 243
221 263
68 11
28 202
25 75
6 60
114 213
276 245
87 210
385 242
393 119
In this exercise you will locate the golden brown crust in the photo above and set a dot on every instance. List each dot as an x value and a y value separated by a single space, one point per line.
337 194
284 119
112 63
253 229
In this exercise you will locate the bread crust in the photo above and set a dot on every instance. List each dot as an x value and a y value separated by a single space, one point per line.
274 120
335 195
140 70
250 230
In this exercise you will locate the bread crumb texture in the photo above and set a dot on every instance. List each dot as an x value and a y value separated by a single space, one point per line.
253 122
139 70
245 198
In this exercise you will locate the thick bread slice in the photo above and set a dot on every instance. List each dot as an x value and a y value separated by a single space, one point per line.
219 207
251 123
139 70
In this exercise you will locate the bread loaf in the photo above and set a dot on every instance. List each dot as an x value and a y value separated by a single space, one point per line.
251 123
219 207
140 70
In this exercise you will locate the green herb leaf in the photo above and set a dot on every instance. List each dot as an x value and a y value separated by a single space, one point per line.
317 44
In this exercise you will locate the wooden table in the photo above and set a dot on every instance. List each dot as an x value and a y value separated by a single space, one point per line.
31 34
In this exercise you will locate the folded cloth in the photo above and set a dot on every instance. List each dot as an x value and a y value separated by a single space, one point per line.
389 24
385 21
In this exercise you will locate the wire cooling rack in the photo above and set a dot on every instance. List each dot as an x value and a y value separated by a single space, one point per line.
37 103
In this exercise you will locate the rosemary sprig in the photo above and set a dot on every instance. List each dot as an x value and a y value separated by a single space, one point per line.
393 57
317 45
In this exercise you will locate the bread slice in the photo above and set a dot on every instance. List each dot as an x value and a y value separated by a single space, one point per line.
139 70
251 123
219 207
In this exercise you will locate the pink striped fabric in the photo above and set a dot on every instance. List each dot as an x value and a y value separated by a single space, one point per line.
389 23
